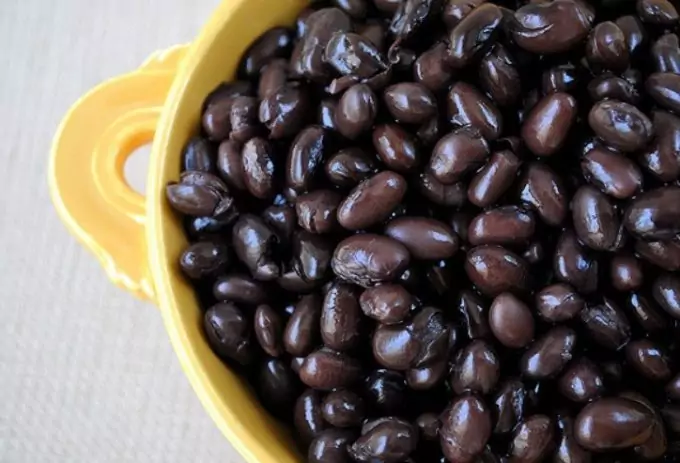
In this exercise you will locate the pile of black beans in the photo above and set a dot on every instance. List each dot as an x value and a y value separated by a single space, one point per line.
431 231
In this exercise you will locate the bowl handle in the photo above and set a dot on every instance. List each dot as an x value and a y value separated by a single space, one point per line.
86 168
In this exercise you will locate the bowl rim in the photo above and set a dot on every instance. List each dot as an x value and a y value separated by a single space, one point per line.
242 439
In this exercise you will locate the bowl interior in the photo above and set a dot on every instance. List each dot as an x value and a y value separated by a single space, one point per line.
212 59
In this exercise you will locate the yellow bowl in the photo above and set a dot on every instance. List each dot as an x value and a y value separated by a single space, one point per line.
137 239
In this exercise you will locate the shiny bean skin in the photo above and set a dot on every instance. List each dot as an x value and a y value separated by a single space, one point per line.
546 127
257 163
606 324
428 424
275 43
305 157
254 244
654 447
367 260
466 106
311 256
634 33
423 237
494 179
273 76
268 327
663 254
281 219
317 211
456 154
511 321
606 46
661 12
666 292
302 330
573 264
548 355
348 167
647 314
561 78
385 391
558 302
343 409
555 27
341 318
509 403
494 269
473 33
612 173
229 165
430 68
621 125
664 88
199 154
608 86
277 386
391 441
217 109
284 112
543 190
356 111
673 388
581 381
476 368
661 157
204 259
506 225
387 303
626 272
307 58
649 360
410 17
499 76
331 446
613 423
441 193
568 450
241 289
396 148
466 428
427 377
326 370
655 215
307 415
665 54
411 103
326 114
456 10
595 220
533 440
229 333
372 201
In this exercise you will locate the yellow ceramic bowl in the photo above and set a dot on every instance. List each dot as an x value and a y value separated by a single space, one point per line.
138 240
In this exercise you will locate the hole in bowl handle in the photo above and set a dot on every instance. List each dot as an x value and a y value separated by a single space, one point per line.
86 172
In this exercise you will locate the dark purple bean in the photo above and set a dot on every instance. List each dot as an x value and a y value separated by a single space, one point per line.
466 428
626 272
396 148
372 201
548 355
606 46
388 303
343 409
665 54
581 381
607 325
509 403
612 173
542 189
241 289
666 292
411 103
595 220
391 441
341 318
555 27
494 269
558 302
608 86
285 111
431 70
326 370
493 180
229 165
473 34
466 106
546 127
620 125
507 225
305 157
424 238
257 165
199 154
331 446
574 265
657 12
655 215
663 254
317 211
511 321
302 330
367 260
456 154
560 78
533 439
254 243
205 259
649 360
441 193
229 333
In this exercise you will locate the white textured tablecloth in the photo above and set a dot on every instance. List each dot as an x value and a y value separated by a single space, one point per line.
87 373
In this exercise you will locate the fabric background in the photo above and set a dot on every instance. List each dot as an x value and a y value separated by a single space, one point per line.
87 373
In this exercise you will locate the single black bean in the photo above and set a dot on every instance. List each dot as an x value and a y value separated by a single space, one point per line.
229 333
